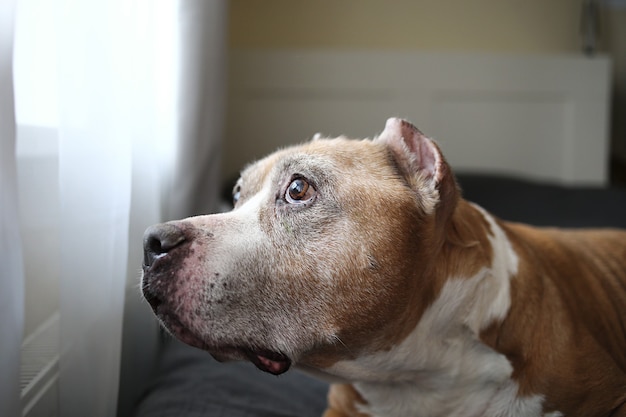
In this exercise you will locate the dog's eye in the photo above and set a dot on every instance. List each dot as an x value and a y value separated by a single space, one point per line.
299 191
236 193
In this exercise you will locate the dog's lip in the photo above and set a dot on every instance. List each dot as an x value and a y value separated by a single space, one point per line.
170 320
178 329
266 360
154 265
269 361
152 297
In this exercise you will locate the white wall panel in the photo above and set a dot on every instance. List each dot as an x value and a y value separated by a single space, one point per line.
539 117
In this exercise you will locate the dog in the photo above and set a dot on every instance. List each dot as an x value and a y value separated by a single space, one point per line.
359 262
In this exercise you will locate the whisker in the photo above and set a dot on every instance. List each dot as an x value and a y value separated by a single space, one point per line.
338 339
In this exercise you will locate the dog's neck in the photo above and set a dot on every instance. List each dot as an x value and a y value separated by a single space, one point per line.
444 357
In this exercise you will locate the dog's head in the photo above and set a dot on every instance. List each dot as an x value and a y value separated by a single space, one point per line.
328 245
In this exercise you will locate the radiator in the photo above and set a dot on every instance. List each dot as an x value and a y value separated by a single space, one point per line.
39 371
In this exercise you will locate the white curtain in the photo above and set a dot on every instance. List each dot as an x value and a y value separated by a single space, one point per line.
138 92
11 267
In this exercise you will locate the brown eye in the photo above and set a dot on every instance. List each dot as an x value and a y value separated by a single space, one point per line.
299 191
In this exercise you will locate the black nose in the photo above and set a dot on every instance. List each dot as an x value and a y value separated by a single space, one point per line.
158 240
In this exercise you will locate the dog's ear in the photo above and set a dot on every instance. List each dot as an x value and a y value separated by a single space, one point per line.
421 162
412 150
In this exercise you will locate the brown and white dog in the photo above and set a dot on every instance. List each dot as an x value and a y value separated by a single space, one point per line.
359 262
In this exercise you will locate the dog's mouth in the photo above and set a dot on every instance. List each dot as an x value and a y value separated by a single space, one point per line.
266 360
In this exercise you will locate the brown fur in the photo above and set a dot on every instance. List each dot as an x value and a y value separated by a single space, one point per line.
565 334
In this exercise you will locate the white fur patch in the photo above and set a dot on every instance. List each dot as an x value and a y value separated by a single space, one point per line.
493 300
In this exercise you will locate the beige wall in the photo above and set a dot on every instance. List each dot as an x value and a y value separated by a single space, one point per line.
515 26
499 26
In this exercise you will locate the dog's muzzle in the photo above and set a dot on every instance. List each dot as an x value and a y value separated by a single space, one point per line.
163 248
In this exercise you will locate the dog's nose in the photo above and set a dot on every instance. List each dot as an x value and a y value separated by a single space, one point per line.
158 240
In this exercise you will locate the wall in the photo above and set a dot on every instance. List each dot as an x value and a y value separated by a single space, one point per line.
511 26
517 27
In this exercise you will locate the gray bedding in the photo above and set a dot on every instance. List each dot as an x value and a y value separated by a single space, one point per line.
192 384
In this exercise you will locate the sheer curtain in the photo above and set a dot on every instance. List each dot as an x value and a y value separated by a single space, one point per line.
11 267
137 90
